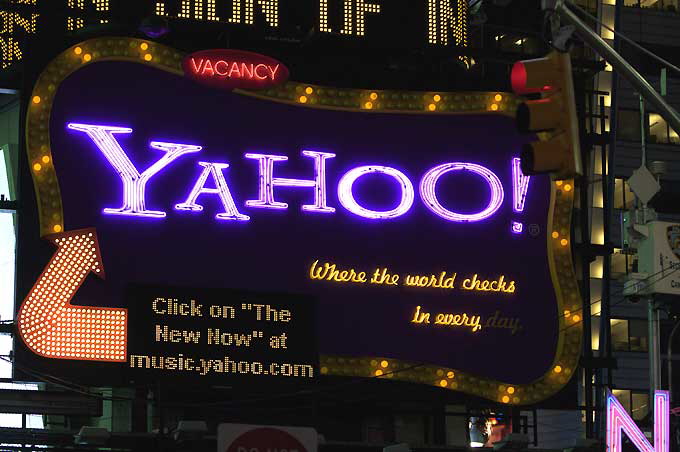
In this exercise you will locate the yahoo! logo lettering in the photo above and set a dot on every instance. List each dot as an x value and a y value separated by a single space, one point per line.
134 183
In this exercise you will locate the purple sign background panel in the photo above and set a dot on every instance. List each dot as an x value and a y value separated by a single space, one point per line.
459 161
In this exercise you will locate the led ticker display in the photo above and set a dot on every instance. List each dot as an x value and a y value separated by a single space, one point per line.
220 334
408 222
441 21
421 24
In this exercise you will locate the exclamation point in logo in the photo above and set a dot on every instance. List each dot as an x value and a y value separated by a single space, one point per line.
520 186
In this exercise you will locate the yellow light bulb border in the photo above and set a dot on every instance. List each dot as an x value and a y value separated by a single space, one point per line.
382 101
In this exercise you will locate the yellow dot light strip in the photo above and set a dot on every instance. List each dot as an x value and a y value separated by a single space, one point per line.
390 101
367 101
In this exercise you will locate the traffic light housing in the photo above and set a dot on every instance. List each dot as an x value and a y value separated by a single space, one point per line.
554 114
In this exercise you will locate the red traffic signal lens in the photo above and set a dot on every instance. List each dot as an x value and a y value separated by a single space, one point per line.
534 76
518 78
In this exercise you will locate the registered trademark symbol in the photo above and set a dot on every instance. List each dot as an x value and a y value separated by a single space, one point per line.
534 229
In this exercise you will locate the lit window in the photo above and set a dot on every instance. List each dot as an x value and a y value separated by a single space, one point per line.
629 335
623 196
636 403
619 332
639 405
658 129
624 397
660 132
595 331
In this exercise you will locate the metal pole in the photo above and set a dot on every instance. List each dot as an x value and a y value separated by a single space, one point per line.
643 134
605 305
670 362
654 352
584 214
617 62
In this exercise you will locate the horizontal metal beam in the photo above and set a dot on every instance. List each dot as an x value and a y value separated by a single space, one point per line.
49 402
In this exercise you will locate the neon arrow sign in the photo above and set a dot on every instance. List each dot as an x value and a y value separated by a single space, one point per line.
54 328
134 183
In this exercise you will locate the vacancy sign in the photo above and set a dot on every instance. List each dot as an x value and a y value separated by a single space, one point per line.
229 69
264 438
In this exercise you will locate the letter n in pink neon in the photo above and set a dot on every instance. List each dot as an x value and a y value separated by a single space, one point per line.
618 421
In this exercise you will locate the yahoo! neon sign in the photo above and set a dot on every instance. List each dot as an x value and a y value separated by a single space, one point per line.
619 421
134 183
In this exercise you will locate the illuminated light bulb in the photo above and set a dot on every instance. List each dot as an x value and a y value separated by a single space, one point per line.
498 98
302 99
564 242
144 46
148 57
494 107
87 57
432 107
576 318
36 99
384 363
558 183
555 234
78 50
567 313
450 374
378 373
437 97
373 96
57 228
309 90
37 167
505 399
557 369
567 187
443 383
368 105
511 390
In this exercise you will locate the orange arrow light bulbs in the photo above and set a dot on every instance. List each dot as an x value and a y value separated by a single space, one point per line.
50 326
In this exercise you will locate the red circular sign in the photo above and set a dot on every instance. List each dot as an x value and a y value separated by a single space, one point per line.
266 439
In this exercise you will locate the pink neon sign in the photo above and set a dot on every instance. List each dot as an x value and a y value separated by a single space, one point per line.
134 183
619 421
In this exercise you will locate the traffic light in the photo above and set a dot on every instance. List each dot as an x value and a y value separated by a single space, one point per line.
554 113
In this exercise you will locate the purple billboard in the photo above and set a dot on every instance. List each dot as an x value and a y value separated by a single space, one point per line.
411 241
